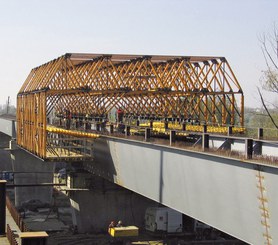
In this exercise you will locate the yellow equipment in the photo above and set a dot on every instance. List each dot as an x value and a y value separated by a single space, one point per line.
126 231
148 243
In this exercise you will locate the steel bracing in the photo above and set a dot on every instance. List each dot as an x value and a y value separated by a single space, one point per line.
200 89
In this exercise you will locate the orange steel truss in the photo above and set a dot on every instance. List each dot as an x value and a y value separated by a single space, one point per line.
203 89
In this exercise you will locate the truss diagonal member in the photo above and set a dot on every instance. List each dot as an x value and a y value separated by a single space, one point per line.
152 87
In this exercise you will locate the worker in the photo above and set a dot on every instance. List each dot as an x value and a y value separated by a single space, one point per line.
120 224
87 122
68 119
111 225
120 115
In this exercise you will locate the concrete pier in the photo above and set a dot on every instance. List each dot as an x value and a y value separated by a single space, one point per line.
31 170
93 210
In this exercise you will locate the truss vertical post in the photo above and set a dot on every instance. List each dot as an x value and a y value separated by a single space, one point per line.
230 130
166 125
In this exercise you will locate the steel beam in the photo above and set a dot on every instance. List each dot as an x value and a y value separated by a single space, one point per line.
213 189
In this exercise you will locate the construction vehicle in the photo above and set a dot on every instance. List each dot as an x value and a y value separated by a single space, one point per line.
167 220
163 219
7 175
125 231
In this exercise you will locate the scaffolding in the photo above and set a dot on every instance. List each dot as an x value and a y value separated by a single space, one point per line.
77 88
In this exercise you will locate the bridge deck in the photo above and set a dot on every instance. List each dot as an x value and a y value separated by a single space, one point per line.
80 146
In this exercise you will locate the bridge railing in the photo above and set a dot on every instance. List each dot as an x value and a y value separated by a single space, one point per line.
16 216
228 143
11 236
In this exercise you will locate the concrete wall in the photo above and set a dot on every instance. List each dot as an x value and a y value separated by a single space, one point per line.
94 210
4 140
31 170
8 127
5 161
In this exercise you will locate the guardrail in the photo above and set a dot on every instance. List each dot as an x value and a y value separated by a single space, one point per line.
16 216
11 236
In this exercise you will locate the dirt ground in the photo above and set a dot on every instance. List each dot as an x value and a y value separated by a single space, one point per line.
69 238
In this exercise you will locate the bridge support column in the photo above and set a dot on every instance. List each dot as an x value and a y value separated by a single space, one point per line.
31 170
93 210
2 207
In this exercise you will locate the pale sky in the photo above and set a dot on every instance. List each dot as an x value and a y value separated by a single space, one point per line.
33 32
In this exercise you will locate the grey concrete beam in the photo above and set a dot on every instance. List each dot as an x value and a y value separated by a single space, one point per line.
8 127
42 172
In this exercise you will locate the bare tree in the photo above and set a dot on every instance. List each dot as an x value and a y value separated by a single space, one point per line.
269 80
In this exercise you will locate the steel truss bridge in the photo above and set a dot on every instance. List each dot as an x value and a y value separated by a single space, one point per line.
86 87
175 142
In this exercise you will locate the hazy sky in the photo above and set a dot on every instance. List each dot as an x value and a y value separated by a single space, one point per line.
33 32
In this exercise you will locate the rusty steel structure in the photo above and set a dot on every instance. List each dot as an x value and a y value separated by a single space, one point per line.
157 88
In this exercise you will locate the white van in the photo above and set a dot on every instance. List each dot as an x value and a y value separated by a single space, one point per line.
163 219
